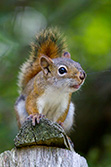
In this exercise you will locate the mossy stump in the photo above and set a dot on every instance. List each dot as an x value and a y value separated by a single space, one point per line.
43 145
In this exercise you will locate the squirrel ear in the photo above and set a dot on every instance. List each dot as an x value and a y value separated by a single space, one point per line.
66 55
45 62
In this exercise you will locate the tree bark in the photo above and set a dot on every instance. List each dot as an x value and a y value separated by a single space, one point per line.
45 145
41 156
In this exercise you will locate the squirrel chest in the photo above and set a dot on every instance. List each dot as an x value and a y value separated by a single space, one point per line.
52 103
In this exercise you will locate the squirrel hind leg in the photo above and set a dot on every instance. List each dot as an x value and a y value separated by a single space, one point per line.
20 110
67 124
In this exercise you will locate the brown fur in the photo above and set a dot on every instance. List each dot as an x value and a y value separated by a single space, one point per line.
31 103
50 45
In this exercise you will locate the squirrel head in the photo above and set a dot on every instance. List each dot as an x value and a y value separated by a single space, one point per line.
62 73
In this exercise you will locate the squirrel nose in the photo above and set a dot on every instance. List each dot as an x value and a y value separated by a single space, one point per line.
82 75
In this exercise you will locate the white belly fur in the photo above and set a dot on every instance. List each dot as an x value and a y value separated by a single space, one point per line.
53 105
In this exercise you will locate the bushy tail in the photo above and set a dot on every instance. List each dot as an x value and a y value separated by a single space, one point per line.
48 42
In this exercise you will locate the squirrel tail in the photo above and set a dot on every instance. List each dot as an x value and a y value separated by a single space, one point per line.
48 42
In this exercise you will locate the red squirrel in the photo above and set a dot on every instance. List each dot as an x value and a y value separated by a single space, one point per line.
47 80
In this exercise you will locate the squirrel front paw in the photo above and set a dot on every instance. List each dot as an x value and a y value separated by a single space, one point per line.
35 118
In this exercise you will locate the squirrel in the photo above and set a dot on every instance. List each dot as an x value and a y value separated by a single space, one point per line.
47 80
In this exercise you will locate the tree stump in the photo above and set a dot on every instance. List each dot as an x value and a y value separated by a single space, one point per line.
43 145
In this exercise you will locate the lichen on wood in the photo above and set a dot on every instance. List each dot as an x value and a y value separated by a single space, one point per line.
45 133
43 145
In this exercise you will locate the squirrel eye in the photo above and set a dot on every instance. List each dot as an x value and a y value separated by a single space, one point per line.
62 70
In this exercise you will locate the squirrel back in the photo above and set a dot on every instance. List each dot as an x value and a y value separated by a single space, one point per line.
48 42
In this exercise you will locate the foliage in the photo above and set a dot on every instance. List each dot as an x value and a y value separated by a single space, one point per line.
100 157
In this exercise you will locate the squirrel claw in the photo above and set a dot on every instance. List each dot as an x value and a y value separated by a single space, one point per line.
35 118
61 123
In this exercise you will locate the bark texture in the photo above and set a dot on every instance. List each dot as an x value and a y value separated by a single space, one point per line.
45 133
43 145
41 156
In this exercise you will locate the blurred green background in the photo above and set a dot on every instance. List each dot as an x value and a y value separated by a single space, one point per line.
87 27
